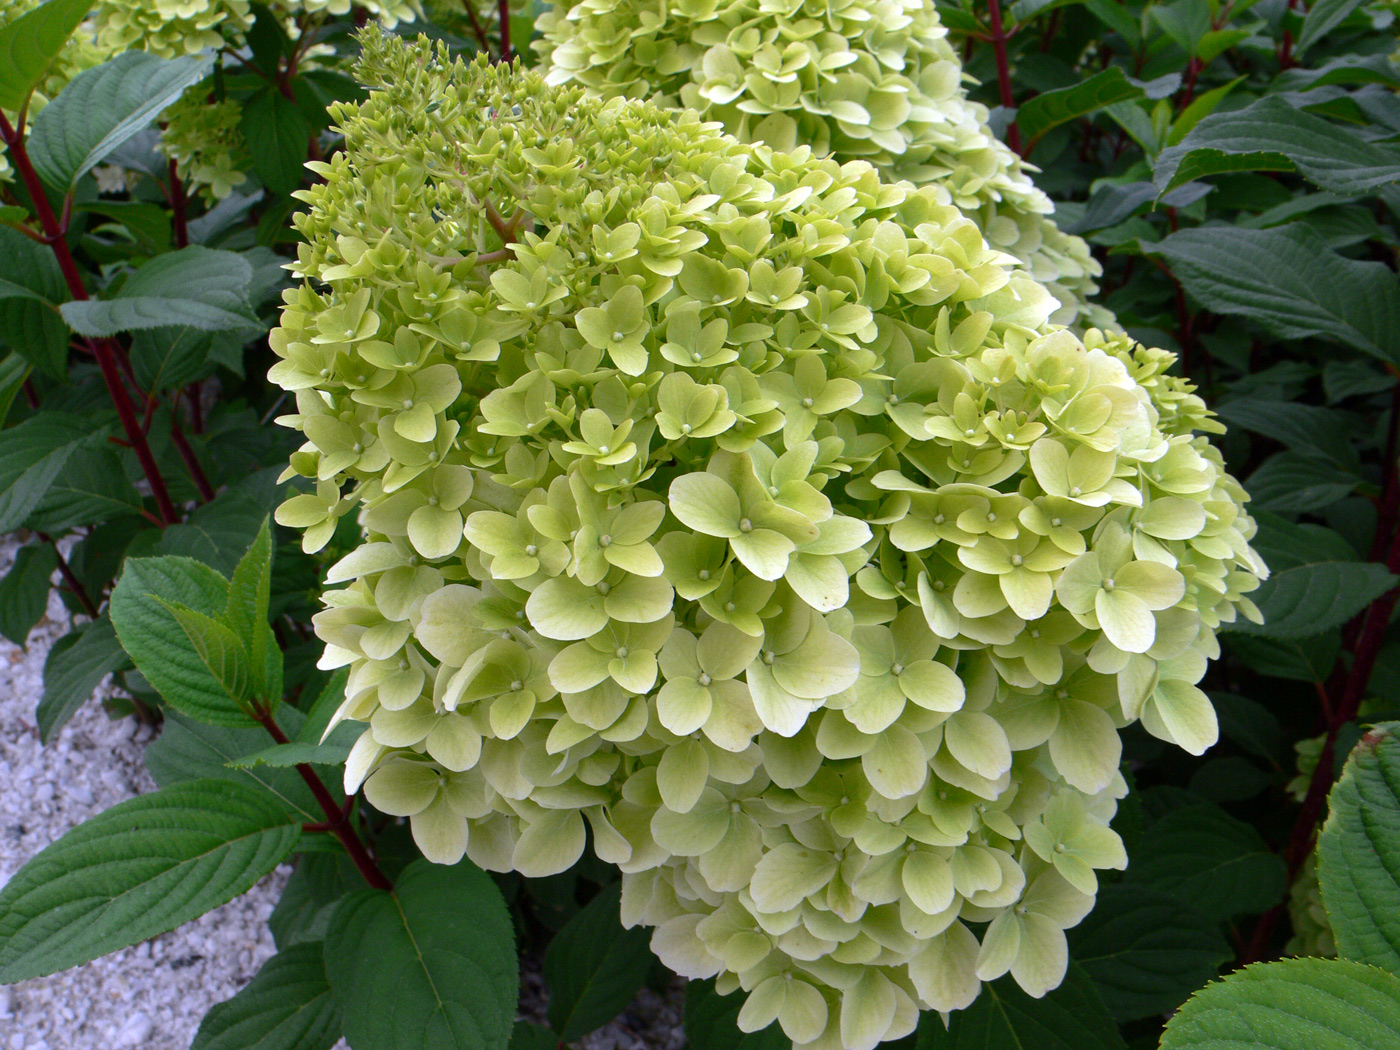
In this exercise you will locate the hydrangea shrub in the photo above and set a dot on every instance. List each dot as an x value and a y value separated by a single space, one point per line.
875 80
747 514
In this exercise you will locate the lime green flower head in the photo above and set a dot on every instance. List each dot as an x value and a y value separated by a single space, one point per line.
875 80
746 515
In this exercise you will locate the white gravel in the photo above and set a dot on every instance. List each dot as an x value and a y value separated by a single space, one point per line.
153 995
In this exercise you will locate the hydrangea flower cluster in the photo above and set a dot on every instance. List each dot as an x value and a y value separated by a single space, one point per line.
871 79
747 512
204 138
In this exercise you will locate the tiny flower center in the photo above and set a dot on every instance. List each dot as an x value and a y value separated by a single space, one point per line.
1016 559
807 402
621 652
704 574
1056 522
897 670
516 685
745 525
704 679
1076 491
604 541
769 656
1108 585
618 337
730 607
531 549
604 450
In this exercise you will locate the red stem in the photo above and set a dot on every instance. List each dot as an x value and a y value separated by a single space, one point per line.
503 13
337 822
75 585
177 207
103 349
1013 133
182 446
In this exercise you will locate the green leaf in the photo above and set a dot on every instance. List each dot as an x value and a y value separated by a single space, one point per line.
220 650
1052 108
1290 283
189 750
1359 852
145 223
32 455
292 754
217 533
72 672
159 644
246 614
101 108
1293 482
1298 660
1145 950
1310 599
1323 17
277 137
1292 1004
24 592
30 285
712 1022
91 488
429 964
1210 862
303 912
163 358
1071 1017
323 708
1271 135
31 42
198 287
529 1036
593 967
141 868
1308 428
287 1006
14 372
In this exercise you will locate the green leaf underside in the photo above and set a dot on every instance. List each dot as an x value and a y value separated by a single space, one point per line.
593 967
1293 1004
141 868
287 1006
1052 108
1359 852
1271 135
194 287
1291 283
103 107
430 964
31 456
24 592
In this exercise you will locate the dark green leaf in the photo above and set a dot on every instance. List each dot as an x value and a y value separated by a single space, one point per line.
323 709
1291 283
31 42
1293 1004
247 611
593 967
196 287
72 672
1298 660
31 284
287 1006
1323 17
101 108
24 592
217 533
1292 482
147 224
528 1036
1310 599
163 358
1249 725
303 912
162 649
32 455
91 488
1145 950
189 750
430 964
277 137
1210 862
1053 108
268 41
14 373
1359 852
1271 135
141 868
711 1022
1308 428
1071 1017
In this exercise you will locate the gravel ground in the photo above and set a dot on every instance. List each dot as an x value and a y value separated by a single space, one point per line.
153 995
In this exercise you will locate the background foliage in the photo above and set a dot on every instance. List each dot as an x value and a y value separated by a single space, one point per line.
1234 166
